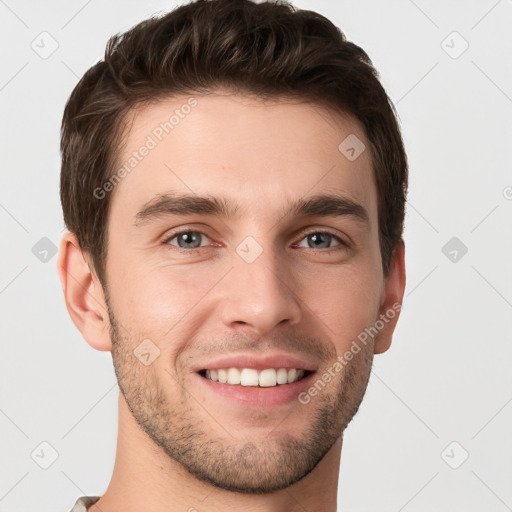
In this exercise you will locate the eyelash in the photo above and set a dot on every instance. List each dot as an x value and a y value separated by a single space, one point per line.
166 241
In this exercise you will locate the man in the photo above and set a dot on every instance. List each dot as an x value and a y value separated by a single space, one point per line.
233 183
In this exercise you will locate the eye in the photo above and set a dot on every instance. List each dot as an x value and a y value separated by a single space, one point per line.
187 239
196 239
321 240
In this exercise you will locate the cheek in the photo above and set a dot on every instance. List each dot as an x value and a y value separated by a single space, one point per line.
156 298
344 298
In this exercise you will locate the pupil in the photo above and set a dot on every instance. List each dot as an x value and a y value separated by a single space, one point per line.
317 241
190 239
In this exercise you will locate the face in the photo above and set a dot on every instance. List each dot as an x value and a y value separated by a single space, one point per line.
242 246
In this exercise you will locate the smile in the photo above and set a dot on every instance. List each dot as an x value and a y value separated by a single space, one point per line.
269 377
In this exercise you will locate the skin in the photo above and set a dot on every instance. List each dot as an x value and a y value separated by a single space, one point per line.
180 446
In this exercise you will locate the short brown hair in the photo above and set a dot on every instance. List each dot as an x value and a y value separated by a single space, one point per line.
270 50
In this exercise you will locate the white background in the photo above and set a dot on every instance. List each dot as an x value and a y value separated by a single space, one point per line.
447 376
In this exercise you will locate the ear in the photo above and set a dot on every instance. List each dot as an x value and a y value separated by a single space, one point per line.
391 299
83 294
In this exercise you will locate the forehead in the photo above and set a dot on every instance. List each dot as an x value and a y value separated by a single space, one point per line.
255 152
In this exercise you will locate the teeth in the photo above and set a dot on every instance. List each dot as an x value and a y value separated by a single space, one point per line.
269 377
249 377
282 376
233 376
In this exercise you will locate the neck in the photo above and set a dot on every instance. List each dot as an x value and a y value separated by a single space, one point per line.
146 478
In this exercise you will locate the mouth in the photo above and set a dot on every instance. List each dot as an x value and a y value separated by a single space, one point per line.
256 380
254 388
251 377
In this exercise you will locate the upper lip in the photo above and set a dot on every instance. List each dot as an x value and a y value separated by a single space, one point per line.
258 362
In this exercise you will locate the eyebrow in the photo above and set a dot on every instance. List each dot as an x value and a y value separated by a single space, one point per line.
325 205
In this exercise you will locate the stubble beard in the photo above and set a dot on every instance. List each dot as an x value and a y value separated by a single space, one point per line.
273 462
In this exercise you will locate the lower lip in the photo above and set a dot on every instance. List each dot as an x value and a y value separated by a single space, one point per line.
259 397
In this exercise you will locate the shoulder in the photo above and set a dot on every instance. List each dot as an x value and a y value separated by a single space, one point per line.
84 502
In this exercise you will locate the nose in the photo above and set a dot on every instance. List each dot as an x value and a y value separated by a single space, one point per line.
260 295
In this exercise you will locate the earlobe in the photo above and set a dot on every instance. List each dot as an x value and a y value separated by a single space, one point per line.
391 300
83 294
